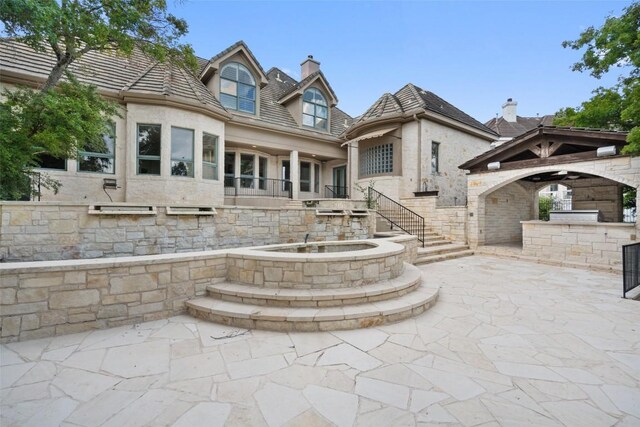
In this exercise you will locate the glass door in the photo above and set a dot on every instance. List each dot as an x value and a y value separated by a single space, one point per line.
340 182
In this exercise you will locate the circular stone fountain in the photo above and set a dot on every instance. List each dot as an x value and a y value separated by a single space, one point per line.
316 286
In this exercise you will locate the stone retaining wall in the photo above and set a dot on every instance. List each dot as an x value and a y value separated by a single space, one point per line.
447 221
41 299
32 231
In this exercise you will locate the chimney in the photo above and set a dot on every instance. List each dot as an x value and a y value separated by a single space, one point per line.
309 66
509 110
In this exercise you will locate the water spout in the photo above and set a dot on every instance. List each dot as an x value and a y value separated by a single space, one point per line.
305 238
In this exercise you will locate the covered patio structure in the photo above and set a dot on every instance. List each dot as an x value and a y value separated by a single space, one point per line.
503 203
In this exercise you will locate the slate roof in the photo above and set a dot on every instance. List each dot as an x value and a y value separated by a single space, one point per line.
112 73
412 97
138 74
522 124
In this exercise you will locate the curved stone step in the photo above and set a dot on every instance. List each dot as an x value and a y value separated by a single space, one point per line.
286 319
291 297
442 257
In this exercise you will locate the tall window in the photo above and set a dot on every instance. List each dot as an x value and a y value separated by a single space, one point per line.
209 156
149 149
247 170
237 88
314 109
229 169
435 157
181 152
316 178
376 160
262 173
100 159
305 176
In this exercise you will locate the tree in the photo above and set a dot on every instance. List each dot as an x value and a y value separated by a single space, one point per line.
72 28
614 45
62 117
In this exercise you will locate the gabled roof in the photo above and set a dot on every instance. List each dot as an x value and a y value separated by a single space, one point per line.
509 129
239 46
113 74
299 88
409 100
547 145
274 113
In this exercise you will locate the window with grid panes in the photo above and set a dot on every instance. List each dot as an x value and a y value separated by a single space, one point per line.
376 160
238 88
315 113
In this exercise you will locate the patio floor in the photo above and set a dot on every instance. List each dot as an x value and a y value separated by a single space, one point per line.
508 343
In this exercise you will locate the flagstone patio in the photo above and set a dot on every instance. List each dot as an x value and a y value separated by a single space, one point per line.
508 343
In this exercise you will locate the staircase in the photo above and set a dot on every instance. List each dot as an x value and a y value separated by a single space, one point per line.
394 218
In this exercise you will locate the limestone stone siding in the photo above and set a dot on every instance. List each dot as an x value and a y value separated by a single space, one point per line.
598 193
47 231
313 273
41 299
505 208
598 245
447 221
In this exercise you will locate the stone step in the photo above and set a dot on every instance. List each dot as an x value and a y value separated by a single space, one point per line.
286 297
441 249
287 319
438 242
442 257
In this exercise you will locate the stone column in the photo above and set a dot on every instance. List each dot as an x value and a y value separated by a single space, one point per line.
295 174
352 170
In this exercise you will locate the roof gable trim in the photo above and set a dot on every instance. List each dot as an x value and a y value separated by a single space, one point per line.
214 64
304 85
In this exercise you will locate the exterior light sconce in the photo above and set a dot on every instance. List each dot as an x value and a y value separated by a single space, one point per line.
493 166
607 151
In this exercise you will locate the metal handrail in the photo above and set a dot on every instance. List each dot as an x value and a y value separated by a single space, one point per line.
335 192
397 214
257 187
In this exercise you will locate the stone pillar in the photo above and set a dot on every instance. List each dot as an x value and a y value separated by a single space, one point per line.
295 174
352 170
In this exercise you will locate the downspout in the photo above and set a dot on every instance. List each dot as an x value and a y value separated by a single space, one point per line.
415 117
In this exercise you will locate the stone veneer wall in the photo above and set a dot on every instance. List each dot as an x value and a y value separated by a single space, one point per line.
448 221
48 231
41 299
596 244
505 208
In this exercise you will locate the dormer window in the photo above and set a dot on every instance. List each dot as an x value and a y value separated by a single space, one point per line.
315 113
238 88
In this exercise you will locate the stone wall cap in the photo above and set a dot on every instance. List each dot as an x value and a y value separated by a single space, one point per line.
583 223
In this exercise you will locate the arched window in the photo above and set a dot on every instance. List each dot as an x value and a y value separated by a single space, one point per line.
237 88
314 109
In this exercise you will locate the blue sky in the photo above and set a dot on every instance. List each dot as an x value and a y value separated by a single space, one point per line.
473 54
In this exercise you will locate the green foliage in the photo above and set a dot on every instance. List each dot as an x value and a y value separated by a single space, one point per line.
629 197
63 117
57 122
545 203
74 27
614 45
370 200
